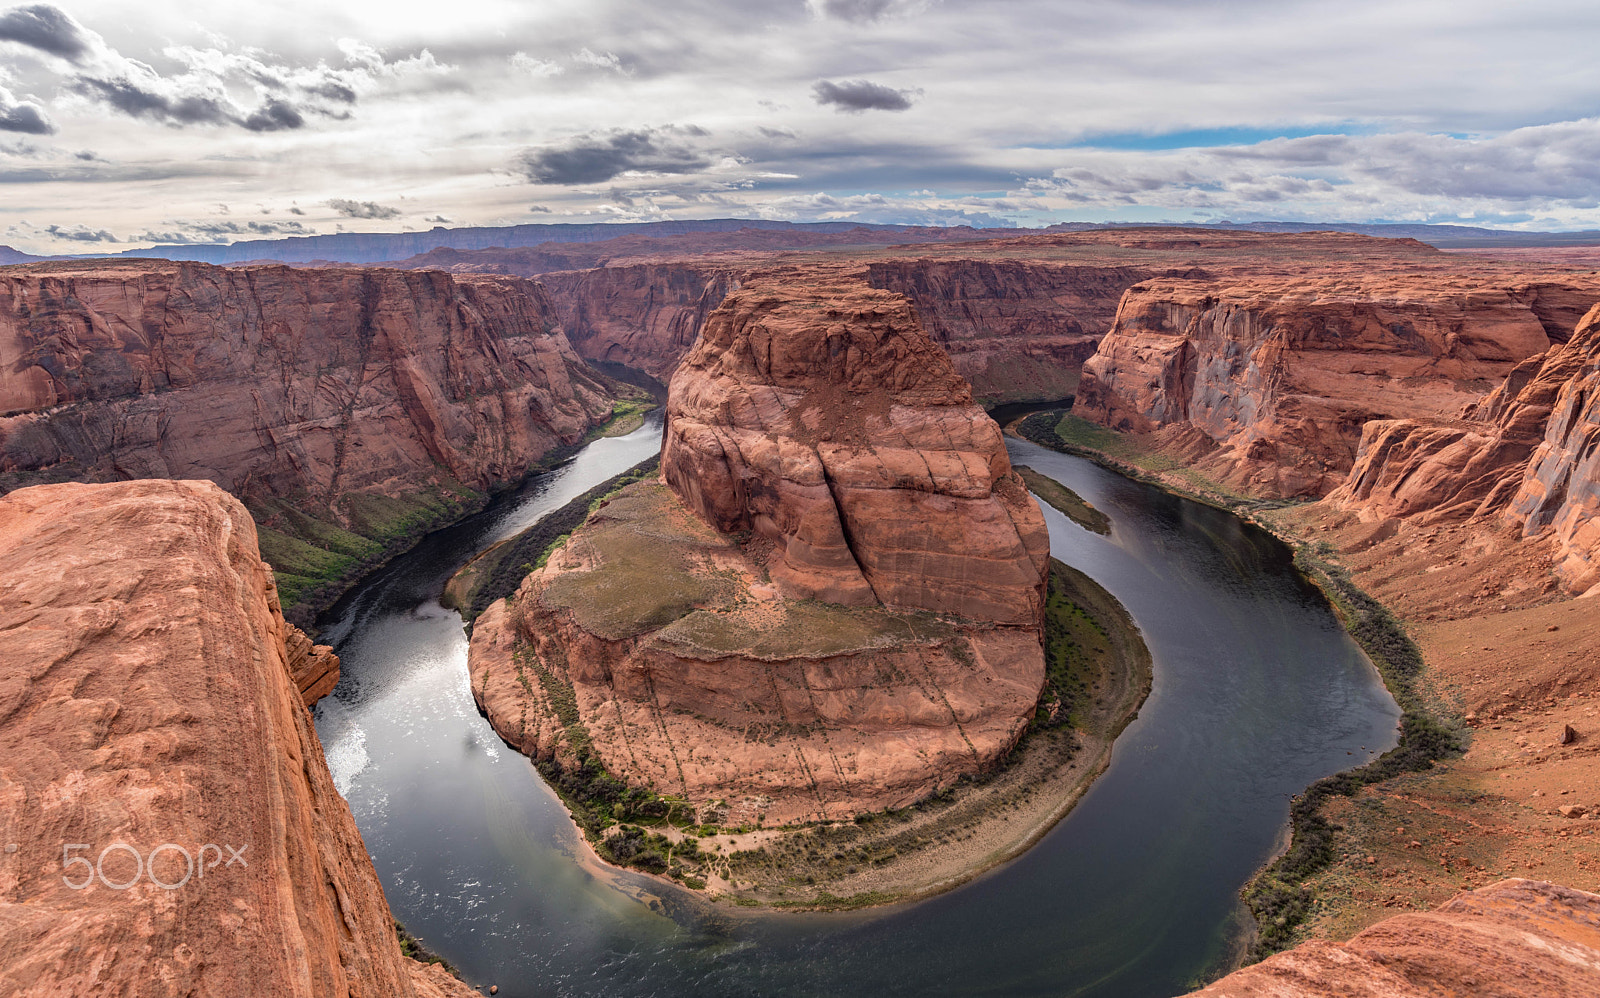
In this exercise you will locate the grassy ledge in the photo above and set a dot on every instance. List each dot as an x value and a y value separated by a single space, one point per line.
1278 896
1064 499
496 572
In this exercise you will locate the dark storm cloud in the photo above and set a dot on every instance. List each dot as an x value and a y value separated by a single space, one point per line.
861 95
81 234
46 28
273 116
599 156
362 209
26 117
138 102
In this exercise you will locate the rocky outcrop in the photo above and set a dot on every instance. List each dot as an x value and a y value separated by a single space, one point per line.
1283 374
1561 487
645 317
1525 453
834 609
823 419
1514 939
1015 329
149 708
281 382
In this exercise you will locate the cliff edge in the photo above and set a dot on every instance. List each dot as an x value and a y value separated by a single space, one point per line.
168 819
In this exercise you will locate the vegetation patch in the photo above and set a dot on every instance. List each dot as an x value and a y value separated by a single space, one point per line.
318 552
496 573
1065 500
412 947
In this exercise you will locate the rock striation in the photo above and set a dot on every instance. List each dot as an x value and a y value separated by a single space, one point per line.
1280 375
1514 939
1523 454
826 421
830 604
1015 329
644 316
151 706
269 380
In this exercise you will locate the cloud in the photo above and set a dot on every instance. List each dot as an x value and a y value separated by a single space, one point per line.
212 231
362 209
46 28
80 234
539 209
535 67
599 60
25 116
863 11
855 96
287 95
596 157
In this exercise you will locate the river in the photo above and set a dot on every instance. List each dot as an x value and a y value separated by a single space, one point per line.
1258 692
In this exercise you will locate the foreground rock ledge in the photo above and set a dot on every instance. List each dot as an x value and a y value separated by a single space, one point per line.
830 605
148 696
1514 939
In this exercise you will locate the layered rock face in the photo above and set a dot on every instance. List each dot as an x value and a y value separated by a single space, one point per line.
835 608
645 316
1014 329
150 708
280 382
1514 939
1281 376
827 422
1524 453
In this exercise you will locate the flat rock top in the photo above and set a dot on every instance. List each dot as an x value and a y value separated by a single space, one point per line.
643 563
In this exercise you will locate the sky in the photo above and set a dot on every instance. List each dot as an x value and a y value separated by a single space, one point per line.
127 124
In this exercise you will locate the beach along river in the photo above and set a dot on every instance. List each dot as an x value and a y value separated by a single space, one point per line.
1258 692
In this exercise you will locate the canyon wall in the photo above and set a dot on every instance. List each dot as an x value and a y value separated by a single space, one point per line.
151 707
645 317
1017 330
1279 376
350 409
831 603
1514 939
315 382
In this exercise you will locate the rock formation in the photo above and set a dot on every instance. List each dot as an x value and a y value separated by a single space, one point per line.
645 316
280 381
1524 453
1514 939
1280 376
149 707
826 421
834 609
1015 329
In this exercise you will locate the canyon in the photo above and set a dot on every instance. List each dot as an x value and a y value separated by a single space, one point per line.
829 604
153 710
349 409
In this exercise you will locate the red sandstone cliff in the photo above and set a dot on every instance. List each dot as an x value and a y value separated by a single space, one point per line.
823 418
1515 939
645 316
149 698
763 637
1279 376
1015 329
273 381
